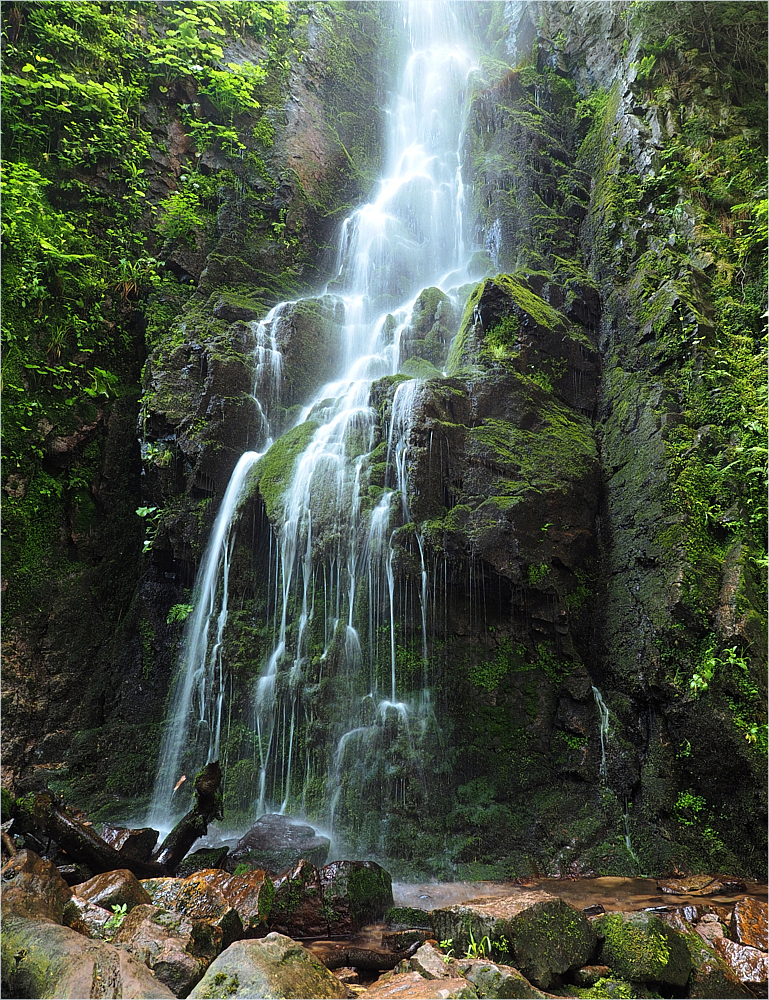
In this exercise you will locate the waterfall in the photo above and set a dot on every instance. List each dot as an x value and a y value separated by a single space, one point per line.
339 584
603 717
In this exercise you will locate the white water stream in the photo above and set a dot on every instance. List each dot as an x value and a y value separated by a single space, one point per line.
336 556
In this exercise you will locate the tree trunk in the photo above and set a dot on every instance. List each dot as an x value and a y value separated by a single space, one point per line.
207 807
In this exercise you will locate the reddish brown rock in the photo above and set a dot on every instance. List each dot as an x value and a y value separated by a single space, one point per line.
709 928
193 898
749 923
177 949
413 986
749 965
297 909
251 894
118 888
276 843
34 888
86 918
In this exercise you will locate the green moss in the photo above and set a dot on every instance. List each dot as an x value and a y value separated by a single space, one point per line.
272 474
641 947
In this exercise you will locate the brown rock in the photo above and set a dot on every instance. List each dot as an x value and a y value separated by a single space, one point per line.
589 975
251 894
700 885
298 905
750 965
177 949
86 918
193 898
118 888
749 923
413 986
430 963
34 888
709 928
43 959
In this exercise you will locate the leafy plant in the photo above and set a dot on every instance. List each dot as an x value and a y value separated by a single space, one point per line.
119 912
178 613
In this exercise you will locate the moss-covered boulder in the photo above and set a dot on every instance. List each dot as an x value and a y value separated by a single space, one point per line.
497 981
639 946
357 892
273 967
541 935
43 959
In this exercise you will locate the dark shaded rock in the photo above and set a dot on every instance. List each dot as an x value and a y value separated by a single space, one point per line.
749 923
33 888
711 976
594 910
43 959
135 844
275 843
589 975
400 939
118 888
192 897
357 892
641 947
177 949
544 936
206 857
86 918
407 917
271 968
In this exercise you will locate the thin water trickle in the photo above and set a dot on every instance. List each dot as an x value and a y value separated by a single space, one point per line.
603 719
340 600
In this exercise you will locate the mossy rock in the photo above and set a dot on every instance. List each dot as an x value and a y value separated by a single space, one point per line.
407 917
543 936
639 946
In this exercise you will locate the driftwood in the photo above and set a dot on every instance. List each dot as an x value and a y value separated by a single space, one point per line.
207 806
42 816
364 959
79 841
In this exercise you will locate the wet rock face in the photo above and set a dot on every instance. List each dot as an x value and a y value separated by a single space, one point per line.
118 888
193 897
275 843
749 923
33 888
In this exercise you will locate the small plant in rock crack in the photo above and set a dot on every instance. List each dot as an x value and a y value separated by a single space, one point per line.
478 949
446 947
119 912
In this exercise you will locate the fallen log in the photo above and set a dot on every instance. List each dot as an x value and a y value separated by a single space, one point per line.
207 806
43 813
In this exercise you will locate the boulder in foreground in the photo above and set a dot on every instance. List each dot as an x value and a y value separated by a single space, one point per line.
271 968
43 959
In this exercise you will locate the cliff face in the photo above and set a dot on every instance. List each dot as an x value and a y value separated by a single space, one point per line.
583 470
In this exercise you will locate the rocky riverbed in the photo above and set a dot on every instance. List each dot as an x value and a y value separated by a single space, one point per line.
310 933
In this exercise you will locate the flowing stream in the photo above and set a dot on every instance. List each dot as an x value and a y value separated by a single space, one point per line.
342 715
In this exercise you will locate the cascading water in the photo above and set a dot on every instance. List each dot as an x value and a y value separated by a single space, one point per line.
603 720
342 717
